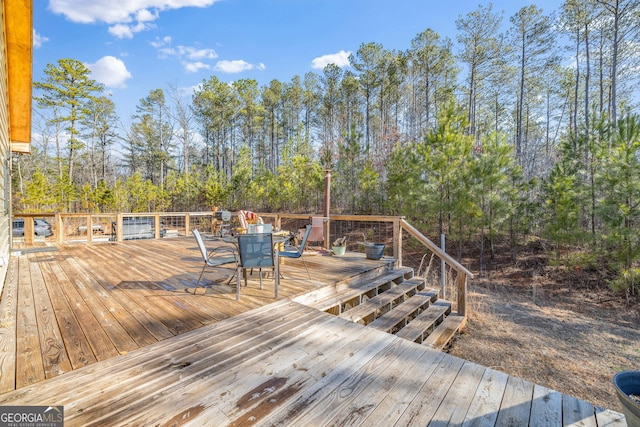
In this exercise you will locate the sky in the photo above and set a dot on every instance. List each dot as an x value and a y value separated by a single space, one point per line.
136 46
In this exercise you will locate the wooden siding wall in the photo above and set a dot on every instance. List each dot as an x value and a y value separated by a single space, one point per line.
5 150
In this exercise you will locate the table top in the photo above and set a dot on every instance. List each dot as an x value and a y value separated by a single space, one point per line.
234 239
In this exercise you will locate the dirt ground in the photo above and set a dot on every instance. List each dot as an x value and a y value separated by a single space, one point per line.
563 330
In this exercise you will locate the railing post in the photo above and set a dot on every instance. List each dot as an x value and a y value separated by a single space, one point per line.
58 227
28 230
443 269
156 226
327 233
187 222
119 228
89 228
397 241
462 293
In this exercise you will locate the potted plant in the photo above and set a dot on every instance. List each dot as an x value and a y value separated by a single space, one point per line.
372 250
628 390
339 246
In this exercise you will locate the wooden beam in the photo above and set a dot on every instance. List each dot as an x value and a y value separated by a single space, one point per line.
18 16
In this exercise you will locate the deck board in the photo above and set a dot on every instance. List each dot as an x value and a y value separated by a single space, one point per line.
79 350
516 403
456 403
140 348
487 399
29 364
54 354
8 310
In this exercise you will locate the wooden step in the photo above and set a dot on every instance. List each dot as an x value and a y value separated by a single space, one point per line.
403 313
444 332
419 327
316 296
349 297
384 302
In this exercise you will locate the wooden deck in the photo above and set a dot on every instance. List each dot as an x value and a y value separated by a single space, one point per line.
109 332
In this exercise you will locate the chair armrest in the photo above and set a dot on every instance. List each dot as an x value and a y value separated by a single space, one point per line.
222 249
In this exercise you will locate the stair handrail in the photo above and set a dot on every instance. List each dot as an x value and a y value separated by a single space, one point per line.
463 273
434 248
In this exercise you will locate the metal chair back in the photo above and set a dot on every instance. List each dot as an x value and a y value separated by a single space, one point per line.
256 250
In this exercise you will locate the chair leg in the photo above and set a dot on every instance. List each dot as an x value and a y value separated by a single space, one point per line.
199 278
231 278
305 267
238 284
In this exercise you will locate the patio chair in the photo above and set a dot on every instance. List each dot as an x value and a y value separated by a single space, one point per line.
296 252
244 217
256 251
317 229
215 258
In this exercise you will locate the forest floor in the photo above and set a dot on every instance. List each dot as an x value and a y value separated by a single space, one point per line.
562 329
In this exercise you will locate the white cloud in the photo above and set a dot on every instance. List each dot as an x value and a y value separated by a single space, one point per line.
123 31
236 66
191 57
341 59
38 40
189 52
125 17
193 67
110 71
158 43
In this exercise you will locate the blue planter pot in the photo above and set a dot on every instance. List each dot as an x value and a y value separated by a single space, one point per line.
374 250
628 383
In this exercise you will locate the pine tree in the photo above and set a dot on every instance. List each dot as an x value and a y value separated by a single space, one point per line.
67 89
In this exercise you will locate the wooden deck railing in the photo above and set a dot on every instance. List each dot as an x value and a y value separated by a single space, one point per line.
73 227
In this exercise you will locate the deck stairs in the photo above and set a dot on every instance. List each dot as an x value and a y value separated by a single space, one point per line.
391 300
